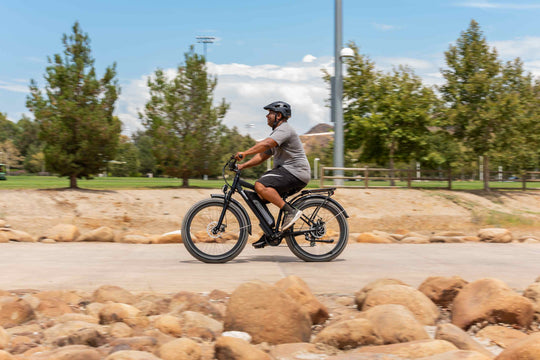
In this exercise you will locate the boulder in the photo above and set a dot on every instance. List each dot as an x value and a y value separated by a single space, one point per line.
297 351
441 289
63 233
131 355
71 352
120 330
369 237
14 311
69 297
500 335
415 240
51 307
4 237
458 355
102 234
4 338
527 348
425 311
75 333
113 293
180 349
460 339
267 313
533 293
446 239
412 349
300 292
493 301
195 324
169 324
134 239
360 295
228 348
495 235
17 235
173 237
113 312
395 323
349 334
136 343
188 301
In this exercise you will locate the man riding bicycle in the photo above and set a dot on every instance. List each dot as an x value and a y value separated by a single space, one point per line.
291 171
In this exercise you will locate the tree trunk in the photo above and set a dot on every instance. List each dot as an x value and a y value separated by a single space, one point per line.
486 173
73 182
185 181
392 182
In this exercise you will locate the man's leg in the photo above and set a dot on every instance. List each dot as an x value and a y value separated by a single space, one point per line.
269 194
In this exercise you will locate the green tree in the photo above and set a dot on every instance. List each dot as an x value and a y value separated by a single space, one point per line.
75 115
143 143
386 115
471 93
10 155
126 162
8 129
182 120
27 137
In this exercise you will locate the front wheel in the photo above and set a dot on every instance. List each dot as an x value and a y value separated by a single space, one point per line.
322 232
205 240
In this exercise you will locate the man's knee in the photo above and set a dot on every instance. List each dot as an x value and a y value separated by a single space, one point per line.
259 187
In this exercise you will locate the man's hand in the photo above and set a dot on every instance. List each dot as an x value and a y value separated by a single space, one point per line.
240 156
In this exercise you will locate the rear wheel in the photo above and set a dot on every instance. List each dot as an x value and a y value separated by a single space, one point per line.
208 243
325 231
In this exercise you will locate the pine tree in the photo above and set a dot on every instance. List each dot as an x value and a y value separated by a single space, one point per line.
182 120
75 115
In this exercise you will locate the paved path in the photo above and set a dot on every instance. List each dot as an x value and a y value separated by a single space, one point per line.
169 268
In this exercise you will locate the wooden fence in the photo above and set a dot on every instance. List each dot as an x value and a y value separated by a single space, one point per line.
412 178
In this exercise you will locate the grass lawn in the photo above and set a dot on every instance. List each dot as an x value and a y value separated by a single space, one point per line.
101 183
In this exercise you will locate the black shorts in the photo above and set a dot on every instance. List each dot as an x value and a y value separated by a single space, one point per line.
282 180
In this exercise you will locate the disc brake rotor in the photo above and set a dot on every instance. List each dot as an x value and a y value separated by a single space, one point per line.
210 230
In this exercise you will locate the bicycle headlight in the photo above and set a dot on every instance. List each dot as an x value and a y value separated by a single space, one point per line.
225 188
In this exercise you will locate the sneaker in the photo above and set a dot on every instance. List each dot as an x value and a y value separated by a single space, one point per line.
260 243
290 218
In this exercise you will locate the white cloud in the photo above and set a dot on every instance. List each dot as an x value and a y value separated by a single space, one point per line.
15 87
526 48
248 89
309 58
490 5
384 27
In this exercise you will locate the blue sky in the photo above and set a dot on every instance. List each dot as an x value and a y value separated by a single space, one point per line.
264 50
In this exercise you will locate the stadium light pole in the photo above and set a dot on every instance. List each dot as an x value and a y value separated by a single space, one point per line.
337 91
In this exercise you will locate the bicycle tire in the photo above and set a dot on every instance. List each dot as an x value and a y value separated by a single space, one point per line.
333 225
210 247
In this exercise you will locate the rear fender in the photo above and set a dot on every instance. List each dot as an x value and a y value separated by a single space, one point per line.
322 197
235 202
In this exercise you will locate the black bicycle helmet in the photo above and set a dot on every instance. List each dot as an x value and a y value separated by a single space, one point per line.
280 107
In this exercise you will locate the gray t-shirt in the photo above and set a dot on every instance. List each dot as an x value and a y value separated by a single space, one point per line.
290 153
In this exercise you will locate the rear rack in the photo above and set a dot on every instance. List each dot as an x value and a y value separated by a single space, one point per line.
330 191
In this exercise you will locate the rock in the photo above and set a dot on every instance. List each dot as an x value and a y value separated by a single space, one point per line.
134 239
268 314
446 239
238 334
297 351
300 292
495 235
533 293
395 323
131 355
228 348
412 349
4 338
75 333
188 301
52 308
173 237
415 240
17 235
63 233
77 317
459 338
441 289
360 296
4 237
458 355
349 334
493 301
180 349
500 335
195 324
137 343
72 352
169 324
102 234
419 304
113 293
69 297
527 348
14 311
120 330
372 238
113 312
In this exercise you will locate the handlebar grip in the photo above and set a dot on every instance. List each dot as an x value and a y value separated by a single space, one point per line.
241 156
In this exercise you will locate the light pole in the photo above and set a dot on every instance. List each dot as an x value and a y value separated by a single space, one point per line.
205 40
337 93
315 169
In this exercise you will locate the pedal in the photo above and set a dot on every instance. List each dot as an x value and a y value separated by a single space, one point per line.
259 244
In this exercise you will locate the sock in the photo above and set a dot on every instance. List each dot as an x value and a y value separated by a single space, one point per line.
287 208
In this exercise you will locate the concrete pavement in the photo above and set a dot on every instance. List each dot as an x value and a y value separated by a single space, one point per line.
169 268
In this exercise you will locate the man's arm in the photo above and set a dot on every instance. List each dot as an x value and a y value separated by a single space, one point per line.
258 148
254 161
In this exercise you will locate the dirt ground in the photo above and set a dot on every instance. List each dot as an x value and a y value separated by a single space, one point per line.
161 211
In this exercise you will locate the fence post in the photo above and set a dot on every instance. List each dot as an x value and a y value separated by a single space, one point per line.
449 179
409 175
524 180
322 176
366 178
